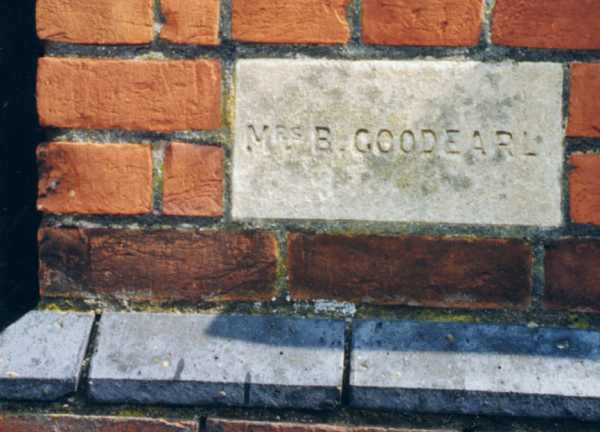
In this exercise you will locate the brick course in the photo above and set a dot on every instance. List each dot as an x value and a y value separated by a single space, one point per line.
293 22
138 94
422 22
584 101
584 188
163 265
417 271
190 21
95 22
92 178
64 423
193 180
572 274
562 24
222 425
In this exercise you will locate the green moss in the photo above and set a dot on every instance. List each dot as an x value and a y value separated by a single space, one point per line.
579 321
444 316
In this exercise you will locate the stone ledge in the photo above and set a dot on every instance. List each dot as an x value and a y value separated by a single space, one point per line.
218 360
41 355
475 369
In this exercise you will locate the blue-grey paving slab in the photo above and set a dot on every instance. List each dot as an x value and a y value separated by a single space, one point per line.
475 369
41 355
218 360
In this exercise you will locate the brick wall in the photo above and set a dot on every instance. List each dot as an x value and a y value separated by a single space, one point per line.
142 177
424 173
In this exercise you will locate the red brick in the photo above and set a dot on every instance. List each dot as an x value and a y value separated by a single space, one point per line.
584 188
34 423
129 94
193 180
217 425
95 22
162 265
190 21
290 21
572 275
584 102
562 24
91 178
418 271
422 22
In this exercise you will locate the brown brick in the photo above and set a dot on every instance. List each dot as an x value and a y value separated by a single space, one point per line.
562 24
584 188
164 265
294 22
584 102
218 425
193 180
34 423
129 94
95 22
190 21
91 178
418 271
572 275
422 22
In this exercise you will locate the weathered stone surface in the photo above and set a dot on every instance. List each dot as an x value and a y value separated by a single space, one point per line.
415 141
41 355
224 360
476 369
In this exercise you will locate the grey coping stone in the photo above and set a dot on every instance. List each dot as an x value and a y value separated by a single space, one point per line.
475 369
399 141
41 355
218 360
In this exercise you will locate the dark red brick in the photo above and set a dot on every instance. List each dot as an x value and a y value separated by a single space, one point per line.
572 275
418 271
31 423
564 24
164 265
217 425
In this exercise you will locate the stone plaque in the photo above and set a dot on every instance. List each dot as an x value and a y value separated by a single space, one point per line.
407 141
